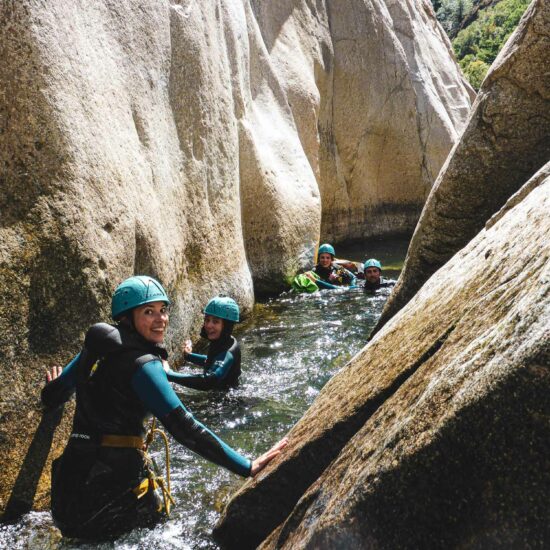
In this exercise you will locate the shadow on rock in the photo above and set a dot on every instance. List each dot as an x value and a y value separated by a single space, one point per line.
25 486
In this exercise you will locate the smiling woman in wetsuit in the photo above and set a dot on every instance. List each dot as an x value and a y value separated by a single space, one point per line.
331 275
222 363
102 485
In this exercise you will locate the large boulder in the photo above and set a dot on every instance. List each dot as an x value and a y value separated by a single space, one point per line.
507 139
123 152
439 426
193 143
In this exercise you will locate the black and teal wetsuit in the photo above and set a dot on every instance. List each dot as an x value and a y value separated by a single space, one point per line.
344 277
221 366
382 283
119 380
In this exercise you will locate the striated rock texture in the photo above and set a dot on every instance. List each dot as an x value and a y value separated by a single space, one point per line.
393 105
506 140
444 441
199 144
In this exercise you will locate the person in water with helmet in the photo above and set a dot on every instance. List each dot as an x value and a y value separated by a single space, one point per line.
372 272
330 274
102 485
222 363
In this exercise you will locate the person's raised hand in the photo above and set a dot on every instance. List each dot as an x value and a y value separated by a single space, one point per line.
53 374
262 461
187 347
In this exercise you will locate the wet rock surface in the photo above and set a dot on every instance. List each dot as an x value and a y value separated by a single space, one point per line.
444 440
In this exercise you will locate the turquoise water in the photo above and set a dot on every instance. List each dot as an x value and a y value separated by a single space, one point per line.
291 346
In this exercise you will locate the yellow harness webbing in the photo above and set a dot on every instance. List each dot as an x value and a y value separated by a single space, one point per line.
152 481
126 441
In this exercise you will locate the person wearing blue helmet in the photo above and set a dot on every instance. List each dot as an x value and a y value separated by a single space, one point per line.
331 275
103 485
372 272
222 363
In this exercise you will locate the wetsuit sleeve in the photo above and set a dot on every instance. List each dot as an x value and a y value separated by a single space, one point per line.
209 381
352 279
196 359
151 385
324 284
61 389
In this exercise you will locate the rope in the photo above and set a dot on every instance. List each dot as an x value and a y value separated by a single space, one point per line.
154 479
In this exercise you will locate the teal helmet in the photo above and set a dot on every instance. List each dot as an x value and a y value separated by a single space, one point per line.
326 249
223 307
372 263
136 291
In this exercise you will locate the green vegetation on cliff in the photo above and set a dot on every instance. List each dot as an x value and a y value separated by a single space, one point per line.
476 45
451 13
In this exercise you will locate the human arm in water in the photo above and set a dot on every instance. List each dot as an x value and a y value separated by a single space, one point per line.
343 276
323 284
338 276
351 278
352 284
150 383
211 380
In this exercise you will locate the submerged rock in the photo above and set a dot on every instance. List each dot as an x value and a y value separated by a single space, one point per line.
436 434
506 140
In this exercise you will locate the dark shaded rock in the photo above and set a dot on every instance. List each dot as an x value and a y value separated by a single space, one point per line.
453 400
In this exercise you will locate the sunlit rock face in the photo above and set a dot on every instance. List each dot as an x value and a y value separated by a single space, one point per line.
506 141
387 128
199 144
436 434
378 103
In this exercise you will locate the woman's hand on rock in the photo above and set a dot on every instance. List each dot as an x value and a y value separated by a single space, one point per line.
262 461
53 374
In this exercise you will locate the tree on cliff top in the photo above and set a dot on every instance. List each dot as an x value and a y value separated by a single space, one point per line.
451 13
477 45
478 29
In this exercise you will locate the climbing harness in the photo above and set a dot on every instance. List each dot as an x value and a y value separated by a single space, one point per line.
153 481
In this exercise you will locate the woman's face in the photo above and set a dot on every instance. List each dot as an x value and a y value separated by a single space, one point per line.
213 327
151 321
325 259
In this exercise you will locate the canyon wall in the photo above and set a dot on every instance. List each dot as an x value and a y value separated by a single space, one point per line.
444 439
200 144
436 433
